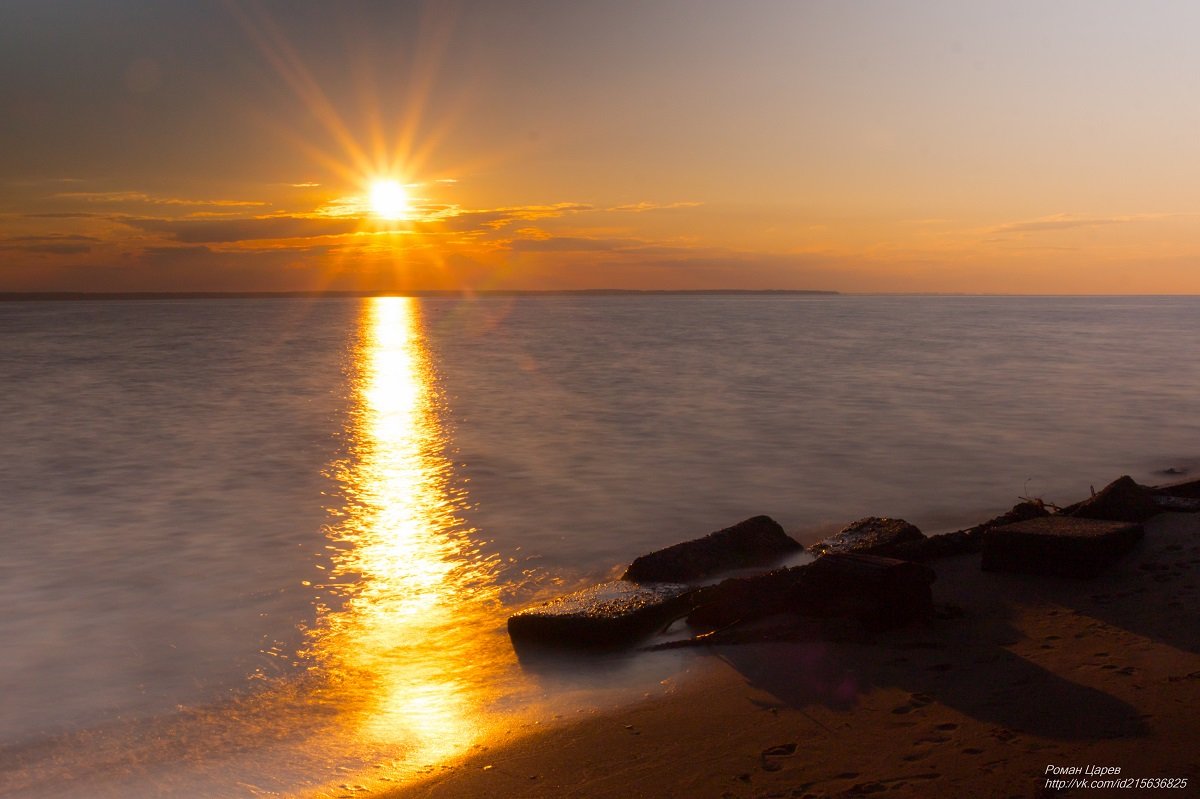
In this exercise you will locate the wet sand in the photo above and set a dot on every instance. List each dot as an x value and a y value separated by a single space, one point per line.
1015 674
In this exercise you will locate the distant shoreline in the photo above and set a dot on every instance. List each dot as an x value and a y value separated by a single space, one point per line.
43 296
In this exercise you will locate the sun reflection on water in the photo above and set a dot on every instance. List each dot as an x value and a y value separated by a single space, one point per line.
410 647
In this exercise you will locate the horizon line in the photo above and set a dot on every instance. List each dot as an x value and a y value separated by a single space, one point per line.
20 296
10 296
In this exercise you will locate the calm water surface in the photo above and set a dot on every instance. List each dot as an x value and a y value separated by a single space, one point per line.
265 547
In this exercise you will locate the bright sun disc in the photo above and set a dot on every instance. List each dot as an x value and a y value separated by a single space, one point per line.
389 199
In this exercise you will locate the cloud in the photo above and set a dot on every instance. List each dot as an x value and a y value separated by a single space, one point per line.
1069 222
143 197
571 244
214 231
65 215
50 237
497 218
647 206
53 244
53 249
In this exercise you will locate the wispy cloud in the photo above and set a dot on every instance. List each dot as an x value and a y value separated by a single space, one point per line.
432 219
65 215
571 244
215 231
53 244
647 206
1070 222
151 199
49 238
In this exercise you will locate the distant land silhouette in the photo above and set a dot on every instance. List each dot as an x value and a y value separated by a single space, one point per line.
17 296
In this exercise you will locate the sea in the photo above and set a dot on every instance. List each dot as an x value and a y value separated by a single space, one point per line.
267 546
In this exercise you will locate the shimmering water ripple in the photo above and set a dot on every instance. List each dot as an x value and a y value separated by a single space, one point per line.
248 543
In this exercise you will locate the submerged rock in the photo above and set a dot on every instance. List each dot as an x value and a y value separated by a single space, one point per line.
756 541
1122 500
873 535
1058 545
610 614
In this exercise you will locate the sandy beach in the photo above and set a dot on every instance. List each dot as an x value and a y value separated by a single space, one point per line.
1015 674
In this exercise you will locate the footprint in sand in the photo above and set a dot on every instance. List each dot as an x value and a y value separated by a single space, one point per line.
782 750
1003 735
773 754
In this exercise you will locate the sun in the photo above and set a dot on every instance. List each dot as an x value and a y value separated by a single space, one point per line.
389 199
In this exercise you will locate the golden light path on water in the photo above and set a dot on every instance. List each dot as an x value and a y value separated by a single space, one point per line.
412 653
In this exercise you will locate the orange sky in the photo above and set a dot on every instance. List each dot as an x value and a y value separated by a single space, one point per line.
1015 147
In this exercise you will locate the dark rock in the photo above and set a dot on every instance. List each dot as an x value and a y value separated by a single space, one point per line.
947 545
610 614
756 541
1189 489
880 593
1058 545
872 535
1122 500
1018 513
963 542
877 592
1169 502
740 599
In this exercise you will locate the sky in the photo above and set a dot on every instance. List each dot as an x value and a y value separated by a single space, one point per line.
982 147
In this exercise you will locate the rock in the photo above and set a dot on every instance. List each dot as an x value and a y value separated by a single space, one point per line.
963 542
1018 513
1122 500
755 541
877 592
946 545
1170 502
610 614
1058 545
1189 489
872 535
880 593
741 599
